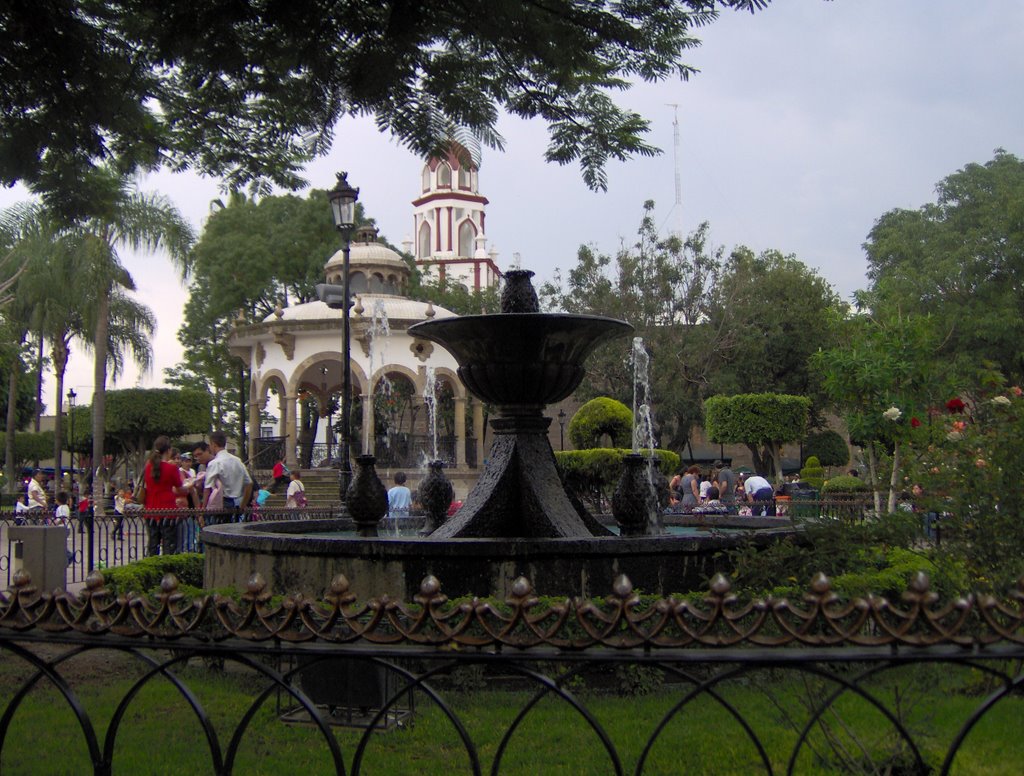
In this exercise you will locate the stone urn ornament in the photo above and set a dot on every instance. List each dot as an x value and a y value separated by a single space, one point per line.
518 294
366 497
634 503
436 493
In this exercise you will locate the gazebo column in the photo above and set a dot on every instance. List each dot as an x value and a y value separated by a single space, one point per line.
255 407
369 440
460 432
291 436
478 430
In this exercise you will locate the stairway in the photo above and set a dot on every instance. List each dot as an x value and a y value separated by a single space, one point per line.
321 489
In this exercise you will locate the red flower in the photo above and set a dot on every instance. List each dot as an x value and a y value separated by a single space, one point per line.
914 422
955 405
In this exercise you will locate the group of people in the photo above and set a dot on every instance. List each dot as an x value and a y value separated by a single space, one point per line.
719 492
219 489
38 504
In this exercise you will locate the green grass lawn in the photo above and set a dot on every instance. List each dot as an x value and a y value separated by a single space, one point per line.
160 735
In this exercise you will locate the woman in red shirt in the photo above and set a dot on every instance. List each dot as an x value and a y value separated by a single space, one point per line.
163 486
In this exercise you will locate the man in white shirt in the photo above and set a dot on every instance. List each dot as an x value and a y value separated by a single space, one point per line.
36 493
229 471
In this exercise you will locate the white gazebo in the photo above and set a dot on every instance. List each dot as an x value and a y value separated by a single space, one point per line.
295 354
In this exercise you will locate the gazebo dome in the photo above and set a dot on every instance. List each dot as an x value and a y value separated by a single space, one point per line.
373 267
399 310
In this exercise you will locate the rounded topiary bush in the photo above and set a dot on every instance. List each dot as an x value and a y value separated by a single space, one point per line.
828 447
813 473
844 484
598 417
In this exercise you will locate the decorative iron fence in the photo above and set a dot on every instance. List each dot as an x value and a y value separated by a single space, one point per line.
717 668
116 540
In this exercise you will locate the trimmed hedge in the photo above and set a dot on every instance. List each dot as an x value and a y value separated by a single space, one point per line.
145 575
844 483
828 447
602 466
813 473
598 417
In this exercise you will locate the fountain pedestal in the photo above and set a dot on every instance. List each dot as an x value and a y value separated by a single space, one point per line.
520 492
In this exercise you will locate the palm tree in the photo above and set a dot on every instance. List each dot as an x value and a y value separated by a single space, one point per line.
142 222
26 236
52 285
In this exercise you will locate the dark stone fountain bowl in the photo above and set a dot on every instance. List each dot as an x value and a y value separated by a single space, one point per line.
517 359
303 556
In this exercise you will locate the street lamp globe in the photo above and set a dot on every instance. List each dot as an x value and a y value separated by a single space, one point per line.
343 202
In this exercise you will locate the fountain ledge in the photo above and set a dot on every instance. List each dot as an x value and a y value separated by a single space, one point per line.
294 561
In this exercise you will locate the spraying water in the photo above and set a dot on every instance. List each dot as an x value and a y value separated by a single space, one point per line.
643 421
377 342
643 426
430 399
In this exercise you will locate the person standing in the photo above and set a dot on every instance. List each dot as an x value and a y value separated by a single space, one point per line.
37 494
279 473
296 496
725 481
399 497
689 489
228 470
162 489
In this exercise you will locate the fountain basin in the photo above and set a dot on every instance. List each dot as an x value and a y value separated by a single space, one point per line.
296 556
521 359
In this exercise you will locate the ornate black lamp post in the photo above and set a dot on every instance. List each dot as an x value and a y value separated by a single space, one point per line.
561 429
343 206
71 431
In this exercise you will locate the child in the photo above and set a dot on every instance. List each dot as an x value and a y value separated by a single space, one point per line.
62 516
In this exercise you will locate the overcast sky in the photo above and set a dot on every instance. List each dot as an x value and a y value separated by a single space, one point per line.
807 122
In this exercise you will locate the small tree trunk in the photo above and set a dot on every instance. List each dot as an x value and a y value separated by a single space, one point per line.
894 480
37 415
777 455
10 471
875 492
101 342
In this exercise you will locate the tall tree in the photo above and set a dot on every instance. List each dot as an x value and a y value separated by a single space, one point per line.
25 235
142 222
770 312
54 287
663 287
959 260
249 92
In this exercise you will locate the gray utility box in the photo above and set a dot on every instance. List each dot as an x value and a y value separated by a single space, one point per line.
42 551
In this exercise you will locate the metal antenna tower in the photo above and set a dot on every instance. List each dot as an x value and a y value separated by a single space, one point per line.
678 207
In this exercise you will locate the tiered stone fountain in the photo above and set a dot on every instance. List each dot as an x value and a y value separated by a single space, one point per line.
517 520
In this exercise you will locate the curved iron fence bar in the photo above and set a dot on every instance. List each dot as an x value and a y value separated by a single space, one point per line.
548 686
419 682
161 668
278 680
855 687
710 690
986 705
44 668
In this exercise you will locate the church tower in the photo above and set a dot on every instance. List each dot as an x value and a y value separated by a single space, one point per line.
449 238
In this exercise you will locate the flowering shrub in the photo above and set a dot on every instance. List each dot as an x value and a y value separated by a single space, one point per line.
971 472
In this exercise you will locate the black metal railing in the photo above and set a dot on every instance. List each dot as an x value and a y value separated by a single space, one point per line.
764 686
397 451
117 540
